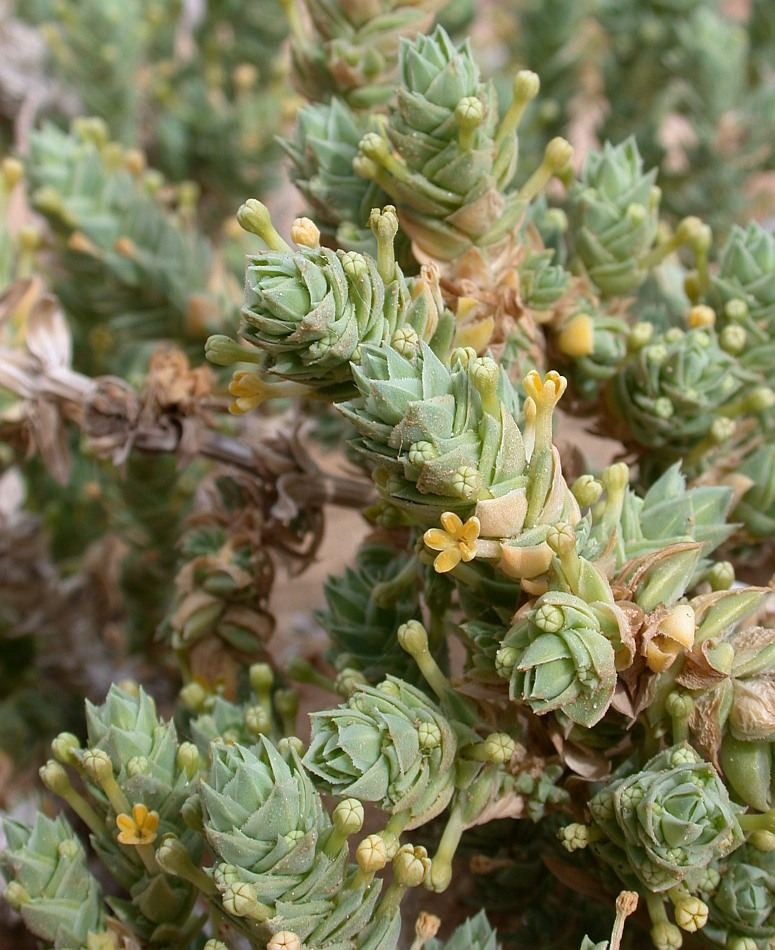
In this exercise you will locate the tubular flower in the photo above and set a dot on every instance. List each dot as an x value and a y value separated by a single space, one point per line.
139 828
455 540
669 820
389 745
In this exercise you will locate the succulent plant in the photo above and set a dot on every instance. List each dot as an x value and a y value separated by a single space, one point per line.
311 311
667 821
474 933
562 659
607 663
742 906
613 212
362 623
389 745
132 269
50 884
280 862
444 157
350 51
681 392
322 150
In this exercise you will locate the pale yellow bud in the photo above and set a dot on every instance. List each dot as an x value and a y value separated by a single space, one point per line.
701 316
305 232
577 337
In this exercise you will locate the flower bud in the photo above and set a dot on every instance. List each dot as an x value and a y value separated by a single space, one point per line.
701 316
16 895
63 746
348 816
587 490
499 748
410 865
691 914
284 940
239 899
187 759
305 232
372 854
666 936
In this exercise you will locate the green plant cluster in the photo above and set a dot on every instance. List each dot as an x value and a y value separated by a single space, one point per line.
547 691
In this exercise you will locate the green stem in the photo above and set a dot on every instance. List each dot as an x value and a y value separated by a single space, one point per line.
391 900
388 592
393 830
685 232
759 822
440 874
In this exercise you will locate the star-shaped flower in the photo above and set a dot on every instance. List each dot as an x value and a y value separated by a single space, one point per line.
456 541
140 828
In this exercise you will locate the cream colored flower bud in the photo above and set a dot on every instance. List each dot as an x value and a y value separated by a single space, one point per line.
426 926
410 865
238 899
701 316
499 748
587 490
691 914
305 232
97 765
371 854
558 153
257 720
526 84
284 940
666 936
187 758
348 816
63 747
16 895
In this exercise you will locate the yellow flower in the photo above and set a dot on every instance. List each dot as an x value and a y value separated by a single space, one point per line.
457 541
140 828
546 391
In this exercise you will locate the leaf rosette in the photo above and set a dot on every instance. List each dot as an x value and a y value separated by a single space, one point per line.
389 745
667 821
744 903
310 309
613 209
561 659
262 815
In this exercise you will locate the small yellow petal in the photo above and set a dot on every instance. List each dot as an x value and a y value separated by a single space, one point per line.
451 522
467 550
125 823
447 560
438 540
140 814
470 530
